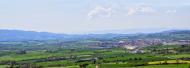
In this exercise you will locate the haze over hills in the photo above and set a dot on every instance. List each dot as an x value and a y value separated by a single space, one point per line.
19 35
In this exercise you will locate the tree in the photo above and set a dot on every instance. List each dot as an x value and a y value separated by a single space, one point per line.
12 64
21 52
83 65
140 58
135 59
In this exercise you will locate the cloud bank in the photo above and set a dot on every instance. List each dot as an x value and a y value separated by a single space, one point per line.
140 10
100 11
171 11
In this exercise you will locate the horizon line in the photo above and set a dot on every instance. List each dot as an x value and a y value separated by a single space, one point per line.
142 32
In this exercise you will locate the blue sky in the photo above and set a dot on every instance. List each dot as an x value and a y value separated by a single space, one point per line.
91 16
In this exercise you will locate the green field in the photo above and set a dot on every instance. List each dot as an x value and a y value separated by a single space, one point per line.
123 66
162 56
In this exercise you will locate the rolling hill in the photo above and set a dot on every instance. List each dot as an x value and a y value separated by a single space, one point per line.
19 35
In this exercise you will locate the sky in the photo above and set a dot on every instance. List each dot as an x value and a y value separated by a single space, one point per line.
93 16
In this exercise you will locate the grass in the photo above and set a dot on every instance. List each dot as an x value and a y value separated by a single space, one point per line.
111 57
66 67
168 62
2 66
123 66
55 63
178 55
164 66
89 66
29 55
150 66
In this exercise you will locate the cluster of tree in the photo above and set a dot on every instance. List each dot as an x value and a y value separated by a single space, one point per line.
14 64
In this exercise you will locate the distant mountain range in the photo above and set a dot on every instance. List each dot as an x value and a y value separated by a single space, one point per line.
19 35
170 34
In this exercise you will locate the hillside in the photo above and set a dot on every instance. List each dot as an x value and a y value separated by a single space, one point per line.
18 35
172 34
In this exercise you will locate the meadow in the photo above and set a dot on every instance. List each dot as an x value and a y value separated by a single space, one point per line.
153 57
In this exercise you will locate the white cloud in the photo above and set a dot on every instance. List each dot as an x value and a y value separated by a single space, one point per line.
100 11
170 11
132 11
141 10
